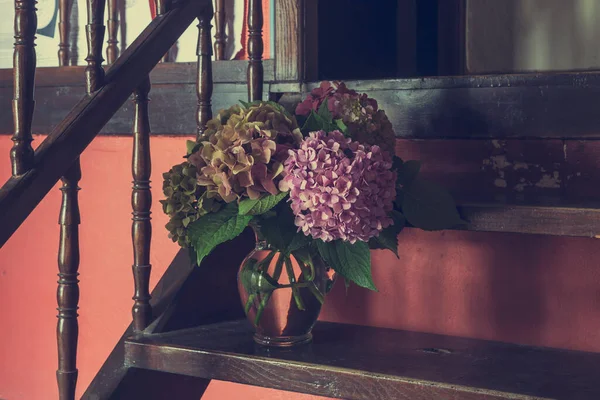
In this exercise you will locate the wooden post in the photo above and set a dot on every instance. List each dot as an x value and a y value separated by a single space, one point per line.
64 28
24 61
255 50
141 201
204 82
219 30
112 49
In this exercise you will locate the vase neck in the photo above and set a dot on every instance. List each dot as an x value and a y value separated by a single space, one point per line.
261 242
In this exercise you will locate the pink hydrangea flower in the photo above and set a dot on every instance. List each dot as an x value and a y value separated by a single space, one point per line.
365 121
316 97
339 189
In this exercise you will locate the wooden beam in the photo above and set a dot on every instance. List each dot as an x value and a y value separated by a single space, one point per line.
552 105
230 71
169 98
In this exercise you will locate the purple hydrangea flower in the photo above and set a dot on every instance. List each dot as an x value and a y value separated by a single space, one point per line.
339 189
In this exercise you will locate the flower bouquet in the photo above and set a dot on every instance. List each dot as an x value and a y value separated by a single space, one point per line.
319 196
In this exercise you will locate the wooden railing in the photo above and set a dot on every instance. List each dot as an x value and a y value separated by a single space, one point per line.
57 157
113 20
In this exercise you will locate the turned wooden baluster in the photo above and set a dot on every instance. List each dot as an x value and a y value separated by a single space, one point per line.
67 329
112 50
64 28
94 30
204 82
255 50
21 154
219 30
141 200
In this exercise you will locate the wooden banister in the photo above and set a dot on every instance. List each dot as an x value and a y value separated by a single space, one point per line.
56 154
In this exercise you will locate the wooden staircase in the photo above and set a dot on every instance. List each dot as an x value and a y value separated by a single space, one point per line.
175 344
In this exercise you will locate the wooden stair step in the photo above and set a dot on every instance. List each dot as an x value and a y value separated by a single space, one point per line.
582 220
357 362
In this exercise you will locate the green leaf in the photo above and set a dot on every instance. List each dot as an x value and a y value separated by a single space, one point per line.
318 122
397 163
212 229
280 231
262 205
189 145
388 238
352 261
245 103
324 112
277 236
313 123
428 206
277 106
408 172
341 126
299 241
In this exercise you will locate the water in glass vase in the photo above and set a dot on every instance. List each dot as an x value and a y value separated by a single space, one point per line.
282 294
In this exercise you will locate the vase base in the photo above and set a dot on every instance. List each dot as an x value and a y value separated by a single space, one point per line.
282 341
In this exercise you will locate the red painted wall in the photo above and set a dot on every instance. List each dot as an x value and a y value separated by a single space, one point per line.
515 288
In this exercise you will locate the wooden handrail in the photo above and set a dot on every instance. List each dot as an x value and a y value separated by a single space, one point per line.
20 195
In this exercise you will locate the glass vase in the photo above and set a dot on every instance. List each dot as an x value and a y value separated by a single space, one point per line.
282 294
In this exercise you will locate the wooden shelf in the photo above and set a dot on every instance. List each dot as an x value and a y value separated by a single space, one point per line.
583 221
354 362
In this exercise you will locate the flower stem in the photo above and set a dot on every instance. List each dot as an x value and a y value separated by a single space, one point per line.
310 268
293 284
267 296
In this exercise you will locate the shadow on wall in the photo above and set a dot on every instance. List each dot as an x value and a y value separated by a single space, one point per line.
510 288
533 35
